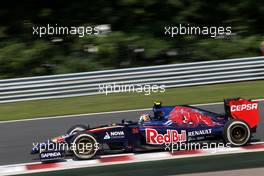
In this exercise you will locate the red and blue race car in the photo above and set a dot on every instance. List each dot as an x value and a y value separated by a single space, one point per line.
168 125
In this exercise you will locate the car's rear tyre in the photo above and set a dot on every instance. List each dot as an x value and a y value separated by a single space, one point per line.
85 145
237 133
76 128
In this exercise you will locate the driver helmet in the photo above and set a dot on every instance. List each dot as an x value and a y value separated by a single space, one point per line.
144 118
157 109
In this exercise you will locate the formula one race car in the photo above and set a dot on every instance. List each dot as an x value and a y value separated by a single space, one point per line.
168 125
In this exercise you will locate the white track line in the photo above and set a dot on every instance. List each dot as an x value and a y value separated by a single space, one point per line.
99 113
90 114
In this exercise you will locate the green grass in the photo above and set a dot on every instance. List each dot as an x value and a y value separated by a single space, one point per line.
123 101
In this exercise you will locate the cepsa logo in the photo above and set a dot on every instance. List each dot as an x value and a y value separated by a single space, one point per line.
172 136
243 107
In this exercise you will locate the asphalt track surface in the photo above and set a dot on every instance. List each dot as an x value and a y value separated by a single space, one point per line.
16 138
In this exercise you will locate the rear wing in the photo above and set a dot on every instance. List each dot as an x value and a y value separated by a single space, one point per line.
243 109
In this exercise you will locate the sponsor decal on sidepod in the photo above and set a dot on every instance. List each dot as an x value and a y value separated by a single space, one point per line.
200 132
172 136
114 134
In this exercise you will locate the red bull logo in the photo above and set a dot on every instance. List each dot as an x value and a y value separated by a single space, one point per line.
172 136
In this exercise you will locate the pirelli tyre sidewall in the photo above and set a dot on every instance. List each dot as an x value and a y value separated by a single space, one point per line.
84 139
237 133
76 128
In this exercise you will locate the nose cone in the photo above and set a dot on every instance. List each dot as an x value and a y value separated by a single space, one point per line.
35 149
39 146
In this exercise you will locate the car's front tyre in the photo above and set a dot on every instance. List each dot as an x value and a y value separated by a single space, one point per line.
76 128
84 145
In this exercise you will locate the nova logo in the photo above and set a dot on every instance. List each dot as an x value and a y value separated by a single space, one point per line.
114 134
243 107
117 133
172 136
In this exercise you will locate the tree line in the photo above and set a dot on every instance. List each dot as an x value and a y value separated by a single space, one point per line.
135 36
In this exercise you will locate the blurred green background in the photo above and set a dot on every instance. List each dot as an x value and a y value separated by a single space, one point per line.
136 38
